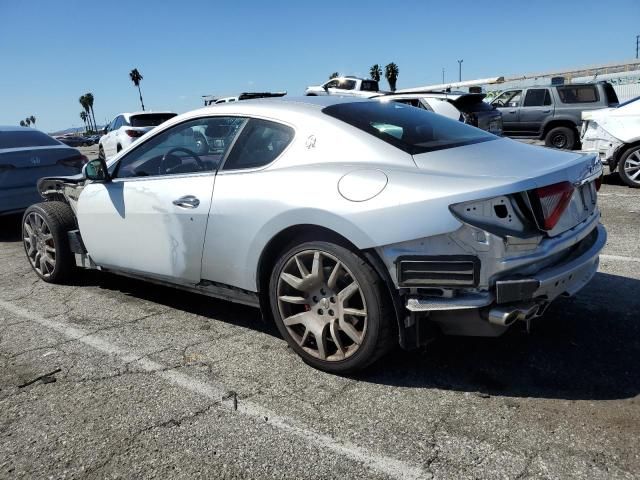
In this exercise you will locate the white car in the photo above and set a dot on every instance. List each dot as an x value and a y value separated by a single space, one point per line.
350 86
126 128
436 105
614 133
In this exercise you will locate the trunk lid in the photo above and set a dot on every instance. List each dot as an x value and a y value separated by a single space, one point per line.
22 167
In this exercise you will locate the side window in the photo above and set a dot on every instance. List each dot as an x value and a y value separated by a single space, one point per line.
117 123
536 97
547 98
347 84
123 122
510 98
578 94
195 146
332 84
112 125
259 144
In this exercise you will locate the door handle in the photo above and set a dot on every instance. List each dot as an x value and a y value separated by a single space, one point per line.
512 111
546 111
188 201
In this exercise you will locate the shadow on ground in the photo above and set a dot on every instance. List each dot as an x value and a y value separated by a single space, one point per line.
10 227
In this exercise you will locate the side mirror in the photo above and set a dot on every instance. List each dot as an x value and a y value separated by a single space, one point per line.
105 130
96 170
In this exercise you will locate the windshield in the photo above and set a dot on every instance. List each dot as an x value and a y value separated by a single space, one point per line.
19 139
410 129
150 119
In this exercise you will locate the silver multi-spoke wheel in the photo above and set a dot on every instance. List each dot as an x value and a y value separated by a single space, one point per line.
322 305
39 244
632 166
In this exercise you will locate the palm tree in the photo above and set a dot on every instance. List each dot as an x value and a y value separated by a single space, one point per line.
375 72
136 78
33 120
89 97
85 105
334 75
83 116
22 124
391 72
27 121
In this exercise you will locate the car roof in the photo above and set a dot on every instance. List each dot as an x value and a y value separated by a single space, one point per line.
11 128
128 115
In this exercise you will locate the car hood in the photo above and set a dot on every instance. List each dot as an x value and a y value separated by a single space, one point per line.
503 161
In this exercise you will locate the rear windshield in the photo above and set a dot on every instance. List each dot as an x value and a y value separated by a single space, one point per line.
472 103
23 138
150 119
410 129
578 94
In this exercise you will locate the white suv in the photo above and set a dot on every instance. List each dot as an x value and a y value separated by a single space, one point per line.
126 128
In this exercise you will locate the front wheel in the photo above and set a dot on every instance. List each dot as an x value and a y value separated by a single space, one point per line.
46 243
331 307
629 167
563 138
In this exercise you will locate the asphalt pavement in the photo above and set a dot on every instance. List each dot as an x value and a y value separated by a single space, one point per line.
111 377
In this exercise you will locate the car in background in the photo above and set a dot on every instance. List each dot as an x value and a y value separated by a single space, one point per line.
435 105
214 100
354 224
349 86
552 113
27 154
75 140
94 139
614 134
471 106
126 128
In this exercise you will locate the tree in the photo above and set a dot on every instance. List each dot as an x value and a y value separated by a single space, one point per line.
136 78
27 121
89 97
22 124
83 116
375 72
33 120
391 72
334 75
85 106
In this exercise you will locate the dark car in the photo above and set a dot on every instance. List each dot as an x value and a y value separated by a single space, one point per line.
75 140
27 154
552 113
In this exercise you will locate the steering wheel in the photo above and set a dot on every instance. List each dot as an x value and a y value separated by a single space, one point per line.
170 154
499 103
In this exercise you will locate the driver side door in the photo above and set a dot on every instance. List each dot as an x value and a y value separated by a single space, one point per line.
150 219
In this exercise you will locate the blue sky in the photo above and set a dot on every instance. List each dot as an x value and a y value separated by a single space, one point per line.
53 52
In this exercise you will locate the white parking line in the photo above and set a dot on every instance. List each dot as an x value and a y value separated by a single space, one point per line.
214 391
620 258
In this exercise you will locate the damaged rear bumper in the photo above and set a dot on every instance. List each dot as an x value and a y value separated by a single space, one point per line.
515 297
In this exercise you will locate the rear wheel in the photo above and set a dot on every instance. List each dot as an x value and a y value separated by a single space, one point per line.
44 233
563 138
330 306
629 167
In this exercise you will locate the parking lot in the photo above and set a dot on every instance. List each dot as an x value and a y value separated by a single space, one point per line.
112 377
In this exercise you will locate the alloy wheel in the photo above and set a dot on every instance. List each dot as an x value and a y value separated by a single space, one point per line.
39 244
322 305
632 166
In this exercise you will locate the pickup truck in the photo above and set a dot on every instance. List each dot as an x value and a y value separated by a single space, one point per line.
552 113
354 86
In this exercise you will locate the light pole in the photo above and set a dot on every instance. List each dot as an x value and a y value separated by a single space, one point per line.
637 44
460 70
442 74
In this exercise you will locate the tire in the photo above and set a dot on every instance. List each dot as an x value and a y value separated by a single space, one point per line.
629 167
343 343
44 232
101 153
563 138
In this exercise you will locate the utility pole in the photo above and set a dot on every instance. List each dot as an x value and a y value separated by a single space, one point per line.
460 70
442 74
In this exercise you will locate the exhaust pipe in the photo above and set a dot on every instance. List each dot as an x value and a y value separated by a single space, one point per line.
508 314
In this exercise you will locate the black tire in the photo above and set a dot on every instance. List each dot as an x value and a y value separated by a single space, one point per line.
627 171
563 138
59 220
101 153
378 336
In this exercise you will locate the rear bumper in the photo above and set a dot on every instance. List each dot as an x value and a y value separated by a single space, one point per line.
471 313
17 199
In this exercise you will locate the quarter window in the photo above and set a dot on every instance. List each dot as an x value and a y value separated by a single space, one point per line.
578 94
195 146
259 144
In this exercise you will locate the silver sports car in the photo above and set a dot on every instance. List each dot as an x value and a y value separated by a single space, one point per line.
353 224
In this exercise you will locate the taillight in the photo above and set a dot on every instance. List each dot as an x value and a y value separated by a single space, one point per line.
550 202
74 162
134 133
